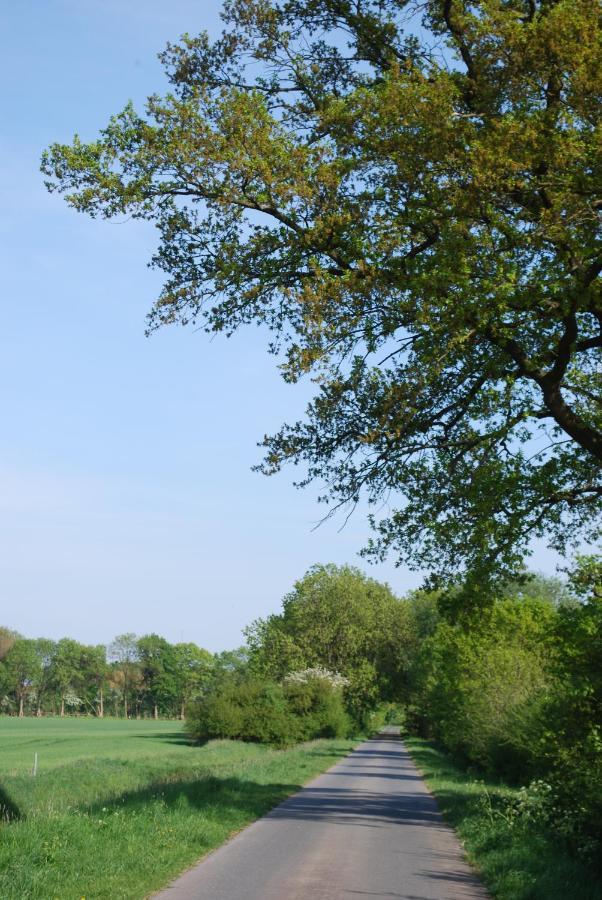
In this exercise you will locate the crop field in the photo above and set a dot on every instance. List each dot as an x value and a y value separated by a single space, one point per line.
59 741
118 808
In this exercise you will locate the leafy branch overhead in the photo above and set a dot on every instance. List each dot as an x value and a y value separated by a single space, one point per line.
408 196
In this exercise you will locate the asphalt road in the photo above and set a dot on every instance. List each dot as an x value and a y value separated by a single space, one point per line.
368 828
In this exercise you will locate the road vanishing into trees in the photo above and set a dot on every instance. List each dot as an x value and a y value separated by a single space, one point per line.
367 828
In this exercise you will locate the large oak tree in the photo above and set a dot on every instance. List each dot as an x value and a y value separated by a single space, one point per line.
409 197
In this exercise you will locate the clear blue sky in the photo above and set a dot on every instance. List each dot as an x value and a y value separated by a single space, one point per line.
126 497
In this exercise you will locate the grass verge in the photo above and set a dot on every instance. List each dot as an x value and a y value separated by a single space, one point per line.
516 861
123 827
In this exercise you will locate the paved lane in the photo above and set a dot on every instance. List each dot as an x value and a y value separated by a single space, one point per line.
367 828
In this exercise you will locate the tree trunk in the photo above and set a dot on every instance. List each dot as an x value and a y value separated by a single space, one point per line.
155 712
21 711
101 706
182 710
62 707
125 706
569 421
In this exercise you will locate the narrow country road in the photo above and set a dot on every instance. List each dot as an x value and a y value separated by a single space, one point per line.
367 828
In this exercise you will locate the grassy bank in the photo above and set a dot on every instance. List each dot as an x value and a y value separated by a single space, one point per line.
516 860
122 823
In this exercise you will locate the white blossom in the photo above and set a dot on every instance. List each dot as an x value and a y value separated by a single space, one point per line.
335 679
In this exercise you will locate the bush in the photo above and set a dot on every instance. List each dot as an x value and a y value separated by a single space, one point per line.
255 709
318 708
246 710
483 689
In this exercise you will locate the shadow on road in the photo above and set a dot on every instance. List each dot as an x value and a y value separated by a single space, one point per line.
334 806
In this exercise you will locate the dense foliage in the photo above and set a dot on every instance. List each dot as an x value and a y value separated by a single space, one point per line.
518 692
133 676
320 668
408 196
338 618
258 710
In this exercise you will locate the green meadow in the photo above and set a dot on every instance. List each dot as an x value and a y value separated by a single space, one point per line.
118 808
60 741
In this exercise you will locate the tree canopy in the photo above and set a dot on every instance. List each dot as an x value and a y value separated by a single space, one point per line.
338 619
408 196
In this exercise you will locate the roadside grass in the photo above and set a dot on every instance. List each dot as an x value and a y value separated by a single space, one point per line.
515 861
123 825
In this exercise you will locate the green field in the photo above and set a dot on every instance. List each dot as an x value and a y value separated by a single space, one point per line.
118 808
60 741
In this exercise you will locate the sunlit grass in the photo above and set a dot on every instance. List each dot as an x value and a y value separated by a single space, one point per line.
123 824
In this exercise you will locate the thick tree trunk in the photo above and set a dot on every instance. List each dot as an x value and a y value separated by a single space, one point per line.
62 707
550 384
155 712
21 710
571 424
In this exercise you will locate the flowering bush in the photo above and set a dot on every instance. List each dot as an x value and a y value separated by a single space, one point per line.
334 679
254 709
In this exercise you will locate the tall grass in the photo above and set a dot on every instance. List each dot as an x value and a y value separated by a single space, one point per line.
516 859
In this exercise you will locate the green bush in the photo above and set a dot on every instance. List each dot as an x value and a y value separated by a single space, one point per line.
518 692
249 710
318 709
570 747
483 689
255 709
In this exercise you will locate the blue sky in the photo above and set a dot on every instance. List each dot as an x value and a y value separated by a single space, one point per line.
126 497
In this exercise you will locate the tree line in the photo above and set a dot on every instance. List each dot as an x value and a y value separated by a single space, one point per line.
132 676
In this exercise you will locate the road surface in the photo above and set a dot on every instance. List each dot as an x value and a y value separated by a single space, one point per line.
368 828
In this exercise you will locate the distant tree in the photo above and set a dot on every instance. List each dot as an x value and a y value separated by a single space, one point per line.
7 639
20 671
158 670
94 672
45 650
193 669
123 652
66 673
231 662
537 586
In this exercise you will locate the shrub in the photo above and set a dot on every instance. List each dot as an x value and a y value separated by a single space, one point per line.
317 705
255 709
483 689
249 710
